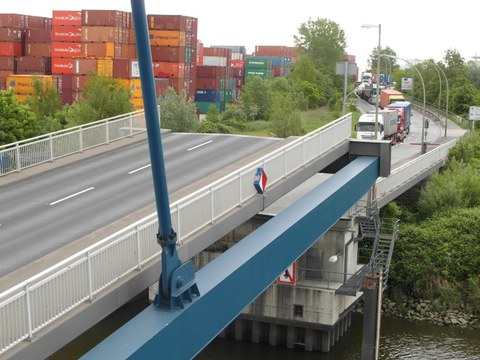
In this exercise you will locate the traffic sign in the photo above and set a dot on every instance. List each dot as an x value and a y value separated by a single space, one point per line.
474 113
288 277
407 83
260 181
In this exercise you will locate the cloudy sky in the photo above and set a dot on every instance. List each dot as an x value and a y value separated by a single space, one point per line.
413 29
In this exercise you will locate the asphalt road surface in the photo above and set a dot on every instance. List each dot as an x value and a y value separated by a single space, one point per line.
49 210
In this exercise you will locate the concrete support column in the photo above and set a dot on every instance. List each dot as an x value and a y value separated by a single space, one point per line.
239 330
290 337
256 335
273 335
337 331
309 339
326 335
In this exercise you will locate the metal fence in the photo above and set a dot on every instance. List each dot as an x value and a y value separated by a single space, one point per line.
26 153
33 304
402 174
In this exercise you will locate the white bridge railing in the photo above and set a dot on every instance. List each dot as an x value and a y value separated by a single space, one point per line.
404 173
26 153
30 306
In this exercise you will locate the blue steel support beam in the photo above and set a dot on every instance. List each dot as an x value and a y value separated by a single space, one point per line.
234 279
177 282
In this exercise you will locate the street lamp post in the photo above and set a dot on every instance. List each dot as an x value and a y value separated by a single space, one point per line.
448 91
379 50
423 148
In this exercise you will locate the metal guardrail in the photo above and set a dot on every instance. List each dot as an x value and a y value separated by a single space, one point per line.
402 174
34 151
30 306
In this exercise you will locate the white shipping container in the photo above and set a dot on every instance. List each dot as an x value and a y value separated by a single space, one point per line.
215 61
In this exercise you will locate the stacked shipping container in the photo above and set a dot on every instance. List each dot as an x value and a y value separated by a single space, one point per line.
173 41
280 56
237 67
73 44
214 84
25 45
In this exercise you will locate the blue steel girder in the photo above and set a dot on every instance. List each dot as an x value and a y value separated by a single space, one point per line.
234 279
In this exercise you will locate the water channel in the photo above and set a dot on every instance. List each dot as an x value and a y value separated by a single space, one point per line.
400 339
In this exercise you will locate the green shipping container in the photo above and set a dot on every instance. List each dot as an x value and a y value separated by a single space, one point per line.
203 106
253 62
264 74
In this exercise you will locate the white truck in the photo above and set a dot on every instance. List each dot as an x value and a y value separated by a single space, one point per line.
386 127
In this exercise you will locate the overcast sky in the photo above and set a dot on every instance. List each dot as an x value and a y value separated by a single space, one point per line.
413 29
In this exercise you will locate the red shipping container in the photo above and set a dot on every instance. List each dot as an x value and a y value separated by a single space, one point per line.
79 82
208 51
66 18
66 50
38 49
179 84
67 81
3 83
33 22
102 18
211 71
180 54
5 73
12 20
128 51
11 34
62 66
8 63
38 35
125 69
11 49
84 66
209 83
102 34
238 64
34 64
67 34
172 22
236 72
168 70
67 96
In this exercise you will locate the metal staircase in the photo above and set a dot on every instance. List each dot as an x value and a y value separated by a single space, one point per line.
383 233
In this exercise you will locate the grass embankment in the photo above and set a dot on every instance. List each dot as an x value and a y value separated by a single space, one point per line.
311 120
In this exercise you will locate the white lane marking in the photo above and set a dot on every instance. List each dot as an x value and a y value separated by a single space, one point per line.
71 196
196 147
140 168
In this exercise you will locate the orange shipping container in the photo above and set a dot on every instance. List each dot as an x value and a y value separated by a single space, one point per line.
21 97
66 18
168 70
62 66
105 67
133 86
102 50
137 103
23 84
66 50
67 34
167 38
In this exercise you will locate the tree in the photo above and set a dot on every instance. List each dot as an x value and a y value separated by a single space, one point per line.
45 103
255 99
285 119
323 41
102 97
17 121
177 113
